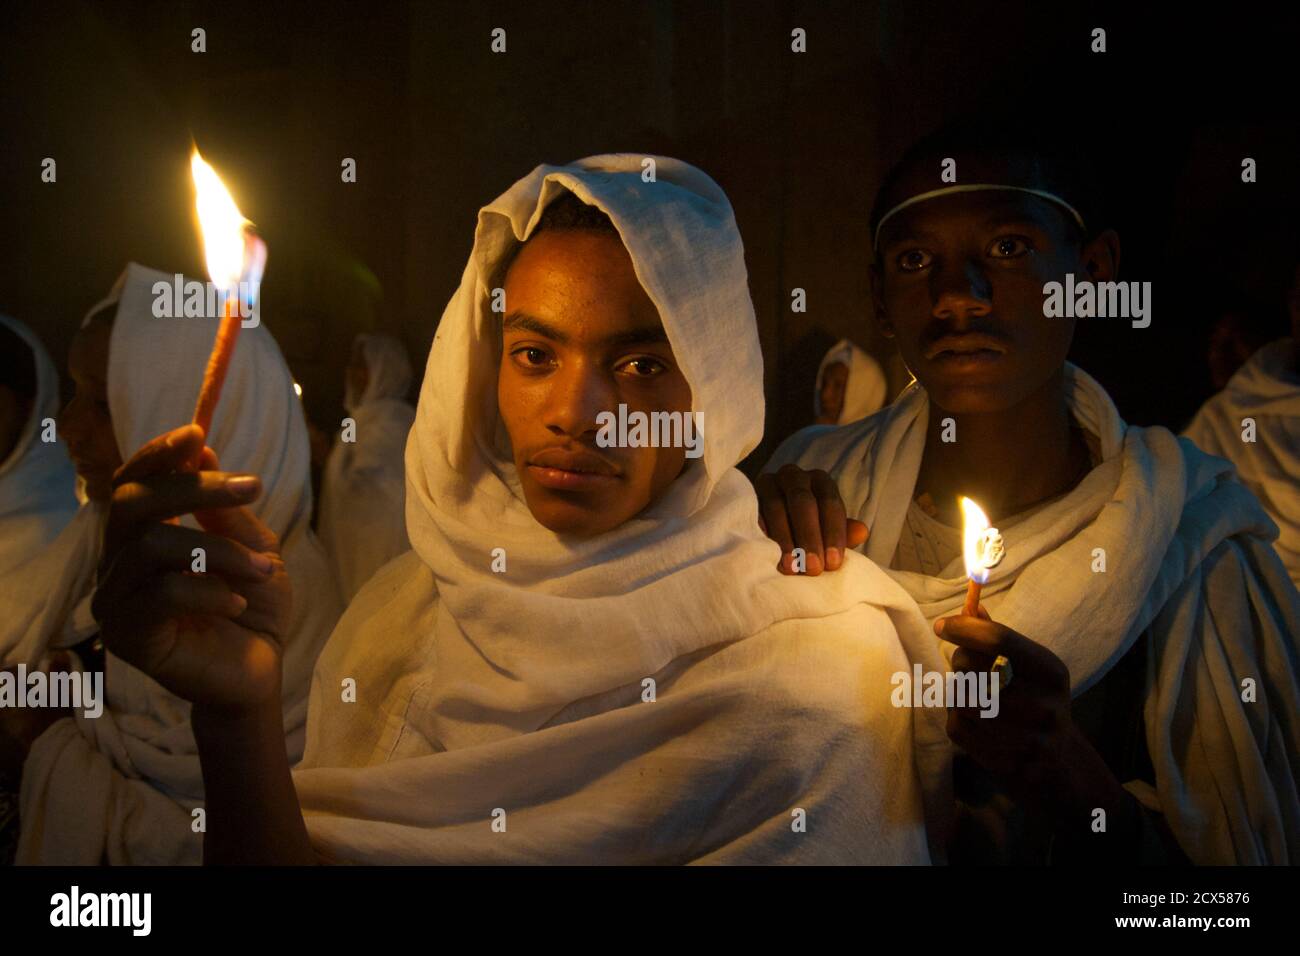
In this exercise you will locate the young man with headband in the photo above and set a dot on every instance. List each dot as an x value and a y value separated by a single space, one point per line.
1150 627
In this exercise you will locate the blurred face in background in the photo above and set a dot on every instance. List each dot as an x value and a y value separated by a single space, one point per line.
86 423
1231 344
358 374
835 379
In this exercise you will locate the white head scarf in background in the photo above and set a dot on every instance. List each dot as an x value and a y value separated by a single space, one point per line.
658 693
37 480
363 492
866 388
1267 390
120 788
1186 555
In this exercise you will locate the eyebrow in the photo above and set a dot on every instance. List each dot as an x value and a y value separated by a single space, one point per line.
644 336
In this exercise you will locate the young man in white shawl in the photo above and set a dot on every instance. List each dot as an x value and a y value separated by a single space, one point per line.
363 494
121 786
1151 631
1255 423
588 656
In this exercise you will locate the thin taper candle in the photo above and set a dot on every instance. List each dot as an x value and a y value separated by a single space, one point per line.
223 349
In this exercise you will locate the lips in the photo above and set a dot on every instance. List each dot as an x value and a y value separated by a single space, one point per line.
571 469
972 346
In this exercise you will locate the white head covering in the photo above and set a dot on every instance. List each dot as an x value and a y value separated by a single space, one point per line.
522 691
91 789
388 370
363 490
37 480
865 390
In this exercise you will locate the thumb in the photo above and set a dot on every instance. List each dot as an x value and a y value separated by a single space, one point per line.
857 533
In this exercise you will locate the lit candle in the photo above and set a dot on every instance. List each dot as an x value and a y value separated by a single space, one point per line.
983 550
235 259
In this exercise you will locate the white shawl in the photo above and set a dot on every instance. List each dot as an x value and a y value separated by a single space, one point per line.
865 389
521 698
1186 554
363 492
120 788
1267 389
37 480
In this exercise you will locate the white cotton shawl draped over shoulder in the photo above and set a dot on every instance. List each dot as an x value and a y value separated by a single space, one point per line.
363 493
37 480
1267 390
1186 552
120 788
658 693
866 388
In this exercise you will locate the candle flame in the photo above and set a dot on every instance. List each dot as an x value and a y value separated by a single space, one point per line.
222 225
981 545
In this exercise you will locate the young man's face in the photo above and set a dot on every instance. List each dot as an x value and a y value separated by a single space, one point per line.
959 285
581 336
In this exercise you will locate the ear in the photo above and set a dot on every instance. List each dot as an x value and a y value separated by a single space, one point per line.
878 301
1100 256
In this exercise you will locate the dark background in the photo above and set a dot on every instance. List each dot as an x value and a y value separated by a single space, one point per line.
439 125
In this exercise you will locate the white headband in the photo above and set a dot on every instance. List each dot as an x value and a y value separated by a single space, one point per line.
970 188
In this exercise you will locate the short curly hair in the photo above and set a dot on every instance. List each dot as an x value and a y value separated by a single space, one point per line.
566 211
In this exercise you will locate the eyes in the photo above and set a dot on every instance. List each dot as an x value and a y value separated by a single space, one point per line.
532 358
1003 247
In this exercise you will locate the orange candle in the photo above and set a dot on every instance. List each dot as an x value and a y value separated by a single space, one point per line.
235 258
972 606
218 364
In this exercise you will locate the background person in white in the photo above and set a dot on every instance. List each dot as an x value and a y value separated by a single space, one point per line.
363 493
850 385
120 788
37 481
1265 389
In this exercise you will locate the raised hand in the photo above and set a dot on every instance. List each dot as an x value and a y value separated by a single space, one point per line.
212 638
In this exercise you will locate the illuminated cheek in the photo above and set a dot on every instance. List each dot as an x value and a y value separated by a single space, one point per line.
668 465
511 405
907 305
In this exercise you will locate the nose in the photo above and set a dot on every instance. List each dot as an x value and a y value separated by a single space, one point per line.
578 393
960 290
